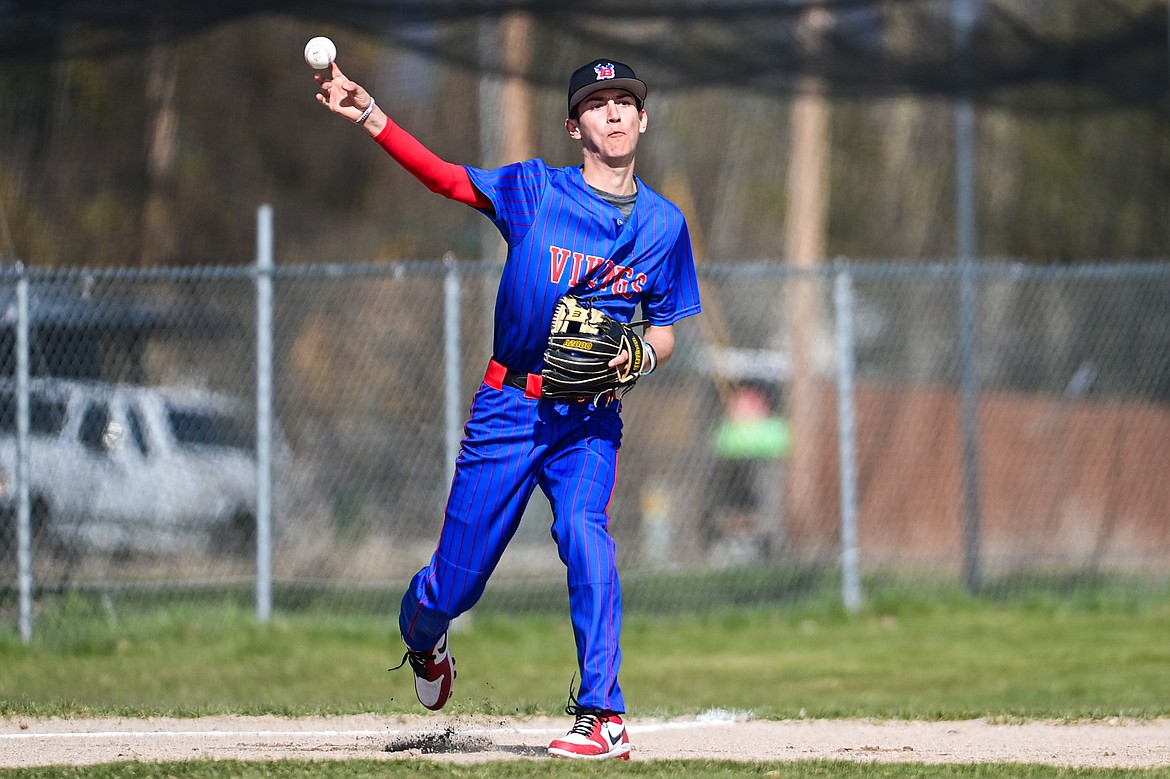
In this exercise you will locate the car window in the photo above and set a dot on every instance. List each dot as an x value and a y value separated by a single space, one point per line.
137 431
93 427
200 427
46 416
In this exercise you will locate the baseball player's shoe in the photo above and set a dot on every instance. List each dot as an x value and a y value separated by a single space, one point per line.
434 673
596 735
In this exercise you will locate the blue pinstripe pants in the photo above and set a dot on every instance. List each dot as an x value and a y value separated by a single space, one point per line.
513 444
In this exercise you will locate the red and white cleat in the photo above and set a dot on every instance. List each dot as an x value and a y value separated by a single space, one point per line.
434 674
595 735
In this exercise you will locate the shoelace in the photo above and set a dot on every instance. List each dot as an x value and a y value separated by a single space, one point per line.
585 724
418 663
587 719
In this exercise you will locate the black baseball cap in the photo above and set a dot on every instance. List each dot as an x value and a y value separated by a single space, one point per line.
604 74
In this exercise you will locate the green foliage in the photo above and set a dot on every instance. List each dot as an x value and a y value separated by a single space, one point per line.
93 146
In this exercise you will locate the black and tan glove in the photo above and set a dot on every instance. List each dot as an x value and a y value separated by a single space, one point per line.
582 341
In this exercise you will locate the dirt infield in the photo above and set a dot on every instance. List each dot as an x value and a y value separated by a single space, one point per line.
715 736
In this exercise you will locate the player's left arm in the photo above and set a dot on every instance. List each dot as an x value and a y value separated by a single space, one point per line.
671 301
659 339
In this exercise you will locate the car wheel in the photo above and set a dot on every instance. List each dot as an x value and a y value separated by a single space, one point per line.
40 523
40 518
7 536
236 537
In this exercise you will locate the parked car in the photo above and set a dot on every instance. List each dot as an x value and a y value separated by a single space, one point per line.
133 469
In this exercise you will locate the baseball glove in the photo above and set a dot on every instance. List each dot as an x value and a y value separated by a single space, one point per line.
582 340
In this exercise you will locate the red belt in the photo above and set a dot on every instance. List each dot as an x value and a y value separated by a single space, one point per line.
497 376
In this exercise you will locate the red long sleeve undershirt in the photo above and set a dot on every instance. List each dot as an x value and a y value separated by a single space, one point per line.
438 175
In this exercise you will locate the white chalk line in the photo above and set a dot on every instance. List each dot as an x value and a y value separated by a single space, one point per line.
163 734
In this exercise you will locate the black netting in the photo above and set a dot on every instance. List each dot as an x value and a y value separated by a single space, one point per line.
1028 54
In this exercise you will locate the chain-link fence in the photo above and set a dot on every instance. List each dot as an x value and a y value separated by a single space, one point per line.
131 400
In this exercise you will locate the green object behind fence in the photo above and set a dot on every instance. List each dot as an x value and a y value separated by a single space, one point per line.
768 438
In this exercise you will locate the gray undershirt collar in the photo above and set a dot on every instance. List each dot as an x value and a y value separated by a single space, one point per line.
623 203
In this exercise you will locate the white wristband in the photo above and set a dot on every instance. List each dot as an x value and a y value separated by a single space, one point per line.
366 114
651 359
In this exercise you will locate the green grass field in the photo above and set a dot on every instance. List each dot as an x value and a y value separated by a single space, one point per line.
1076 658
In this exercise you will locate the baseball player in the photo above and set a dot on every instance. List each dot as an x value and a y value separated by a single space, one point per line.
596 232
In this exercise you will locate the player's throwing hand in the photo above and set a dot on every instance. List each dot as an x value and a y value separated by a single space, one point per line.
344 97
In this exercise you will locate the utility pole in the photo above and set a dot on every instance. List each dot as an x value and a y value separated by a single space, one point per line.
805 232
158 228
516 100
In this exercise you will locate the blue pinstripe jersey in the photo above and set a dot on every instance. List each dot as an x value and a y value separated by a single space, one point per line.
562 238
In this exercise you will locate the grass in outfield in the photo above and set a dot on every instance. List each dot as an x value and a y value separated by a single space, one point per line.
1088 655
559 769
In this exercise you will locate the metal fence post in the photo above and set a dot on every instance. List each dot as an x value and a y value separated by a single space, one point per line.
964 17
24 528
264 268
451 343
847 438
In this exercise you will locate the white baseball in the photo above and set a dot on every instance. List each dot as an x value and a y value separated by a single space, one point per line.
320 52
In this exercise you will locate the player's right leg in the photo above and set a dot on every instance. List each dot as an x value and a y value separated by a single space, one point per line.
579 482
494 478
